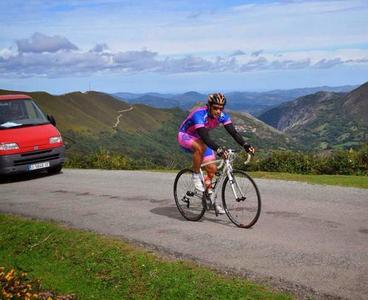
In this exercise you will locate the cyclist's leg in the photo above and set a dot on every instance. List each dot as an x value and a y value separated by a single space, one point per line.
197 147
211 169
194 145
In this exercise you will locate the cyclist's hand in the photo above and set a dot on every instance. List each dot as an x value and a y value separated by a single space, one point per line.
249 148
223 152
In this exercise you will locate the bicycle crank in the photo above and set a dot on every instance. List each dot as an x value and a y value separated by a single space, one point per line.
241 199
186 200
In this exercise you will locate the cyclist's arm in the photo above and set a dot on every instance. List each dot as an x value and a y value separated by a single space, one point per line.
203 134
236 136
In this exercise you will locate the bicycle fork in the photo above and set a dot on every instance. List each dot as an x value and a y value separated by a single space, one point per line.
235 187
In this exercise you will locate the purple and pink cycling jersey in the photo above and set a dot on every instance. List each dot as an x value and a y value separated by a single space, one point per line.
196 119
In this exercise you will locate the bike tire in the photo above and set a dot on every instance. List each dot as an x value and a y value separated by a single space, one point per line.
244 211
188 201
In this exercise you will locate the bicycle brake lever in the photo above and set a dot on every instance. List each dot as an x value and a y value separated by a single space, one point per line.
248 159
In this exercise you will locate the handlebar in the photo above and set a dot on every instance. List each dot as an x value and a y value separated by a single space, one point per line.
249 156
248 159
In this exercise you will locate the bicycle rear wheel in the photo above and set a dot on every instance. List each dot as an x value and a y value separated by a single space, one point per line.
241 199
187 198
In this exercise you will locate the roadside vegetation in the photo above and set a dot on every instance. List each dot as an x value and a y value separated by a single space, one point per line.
337 162
339 167
339 180
39 258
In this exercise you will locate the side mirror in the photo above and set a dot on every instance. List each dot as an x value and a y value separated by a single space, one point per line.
51 119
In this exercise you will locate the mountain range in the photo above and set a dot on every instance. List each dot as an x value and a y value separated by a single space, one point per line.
254 103
325 119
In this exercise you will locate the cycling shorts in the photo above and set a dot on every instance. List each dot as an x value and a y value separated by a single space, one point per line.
186 142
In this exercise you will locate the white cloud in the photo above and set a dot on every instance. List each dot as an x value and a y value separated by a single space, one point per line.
238 53
328 63
290 64
42 43
100 48
6 53
54 57
135 61
256 53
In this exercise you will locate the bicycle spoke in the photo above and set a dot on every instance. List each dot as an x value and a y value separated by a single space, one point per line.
242 207
187 199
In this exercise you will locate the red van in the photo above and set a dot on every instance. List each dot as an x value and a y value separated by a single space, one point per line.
29 140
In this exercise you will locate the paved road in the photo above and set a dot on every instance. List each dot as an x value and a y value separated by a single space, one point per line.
310 239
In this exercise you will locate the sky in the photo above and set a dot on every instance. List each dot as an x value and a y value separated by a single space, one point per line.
174 46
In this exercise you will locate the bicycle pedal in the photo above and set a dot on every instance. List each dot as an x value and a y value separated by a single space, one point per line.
209 205
215 211
209 193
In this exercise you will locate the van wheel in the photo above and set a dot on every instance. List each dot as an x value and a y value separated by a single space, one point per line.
55 170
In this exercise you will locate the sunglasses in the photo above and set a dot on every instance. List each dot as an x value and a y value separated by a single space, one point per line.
216 107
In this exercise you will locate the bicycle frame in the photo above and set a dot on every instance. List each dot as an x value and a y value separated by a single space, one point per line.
225 167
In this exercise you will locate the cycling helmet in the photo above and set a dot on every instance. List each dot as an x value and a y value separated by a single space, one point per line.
216 98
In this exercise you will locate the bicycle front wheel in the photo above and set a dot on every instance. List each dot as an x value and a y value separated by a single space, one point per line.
187 198
241 199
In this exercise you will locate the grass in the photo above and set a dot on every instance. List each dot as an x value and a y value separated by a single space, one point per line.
340 180
92 266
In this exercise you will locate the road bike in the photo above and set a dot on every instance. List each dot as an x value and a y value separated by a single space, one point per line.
241 199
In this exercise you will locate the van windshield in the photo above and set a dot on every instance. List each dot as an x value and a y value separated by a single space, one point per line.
20 112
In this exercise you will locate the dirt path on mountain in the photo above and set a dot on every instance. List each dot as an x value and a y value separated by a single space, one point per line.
120 115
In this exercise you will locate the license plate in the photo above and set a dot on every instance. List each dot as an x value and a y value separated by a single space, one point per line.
39 166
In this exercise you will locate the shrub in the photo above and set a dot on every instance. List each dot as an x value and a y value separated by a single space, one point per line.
347 162
102 159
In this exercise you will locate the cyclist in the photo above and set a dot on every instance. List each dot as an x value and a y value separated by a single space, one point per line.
193 137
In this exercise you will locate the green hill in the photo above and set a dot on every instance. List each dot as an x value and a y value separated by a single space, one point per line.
324 120
95 112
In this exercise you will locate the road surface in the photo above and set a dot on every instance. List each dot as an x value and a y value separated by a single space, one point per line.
310 239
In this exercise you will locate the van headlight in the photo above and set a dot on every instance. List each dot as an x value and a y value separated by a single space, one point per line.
8 146
55 140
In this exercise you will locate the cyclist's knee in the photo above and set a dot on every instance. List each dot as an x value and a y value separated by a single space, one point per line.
211 169
199 148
